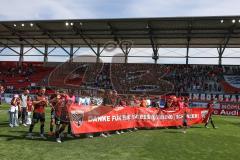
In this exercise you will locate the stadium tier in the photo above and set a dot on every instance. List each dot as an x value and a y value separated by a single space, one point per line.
125 78
30 74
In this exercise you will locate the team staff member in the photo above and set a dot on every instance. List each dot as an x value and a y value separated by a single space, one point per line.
23 112
39 113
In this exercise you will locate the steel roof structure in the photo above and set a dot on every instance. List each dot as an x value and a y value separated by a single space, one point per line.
167 32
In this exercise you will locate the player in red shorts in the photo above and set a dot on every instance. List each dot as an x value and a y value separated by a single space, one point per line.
61 115
29 110
52 103
210 110
184 122
39 104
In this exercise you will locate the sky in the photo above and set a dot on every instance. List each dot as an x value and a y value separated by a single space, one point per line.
85 9
77 9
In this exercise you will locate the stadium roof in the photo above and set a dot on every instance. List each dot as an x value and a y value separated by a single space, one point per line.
176 32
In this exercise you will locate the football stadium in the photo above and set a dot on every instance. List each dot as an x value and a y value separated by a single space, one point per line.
120 88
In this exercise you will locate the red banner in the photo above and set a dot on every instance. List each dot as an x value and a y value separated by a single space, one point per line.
99 119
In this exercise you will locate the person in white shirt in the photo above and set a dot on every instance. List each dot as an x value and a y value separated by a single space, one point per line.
87 101
18 109
148 102
12 111
81 101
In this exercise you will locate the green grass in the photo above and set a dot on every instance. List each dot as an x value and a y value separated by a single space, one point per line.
199 143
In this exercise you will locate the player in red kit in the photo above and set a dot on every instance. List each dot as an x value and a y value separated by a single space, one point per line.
172 103
210 110
52 102
39 104
61 115
29 110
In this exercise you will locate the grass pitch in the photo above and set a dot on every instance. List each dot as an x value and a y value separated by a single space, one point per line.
198 143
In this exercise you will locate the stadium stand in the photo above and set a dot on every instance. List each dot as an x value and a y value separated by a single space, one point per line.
138 77
199 78
125 78
14 77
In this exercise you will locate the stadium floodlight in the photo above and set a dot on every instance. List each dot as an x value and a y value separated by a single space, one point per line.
233 21
14 25
67 24
222 21
71 23
23 25
239 21
31 24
